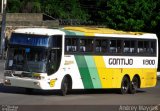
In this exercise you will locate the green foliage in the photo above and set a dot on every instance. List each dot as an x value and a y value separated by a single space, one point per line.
131 15
30 6
13 6
64 9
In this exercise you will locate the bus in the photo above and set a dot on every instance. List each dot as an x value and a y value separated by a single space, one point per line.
81 58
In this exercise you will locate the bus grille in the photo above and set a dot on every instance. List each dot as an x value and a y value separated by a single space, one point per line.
24 74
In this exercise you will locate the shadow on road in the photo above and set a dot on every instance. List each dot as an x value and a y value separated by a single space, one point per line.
17 90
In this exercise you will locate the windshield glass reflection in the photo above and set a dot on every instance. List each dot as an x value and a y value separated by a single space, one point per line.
27 59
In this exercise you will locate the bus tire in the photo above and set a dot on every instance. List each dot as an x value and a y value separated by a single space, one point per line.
134 85
125 85
64 87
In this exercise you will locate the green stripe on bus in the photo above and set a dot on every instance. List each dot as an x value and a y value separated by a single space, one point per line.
79 33
83 69
68 32
93 72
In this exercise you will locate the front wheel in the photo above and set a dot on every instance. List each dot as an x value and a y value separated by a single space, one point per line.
125 85
64 87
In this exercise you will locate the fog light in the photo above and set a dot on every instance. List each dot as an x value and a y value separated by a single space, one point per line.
7 82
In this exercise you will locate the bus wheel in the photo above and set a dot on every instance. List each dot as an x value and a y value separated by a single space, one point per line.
134 85
125 85
64 87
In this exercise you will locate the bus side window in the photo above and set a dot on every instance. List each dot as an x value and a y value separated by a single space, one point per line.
153 47
126 46
82 45
146 47
133 46
119 46
140 47
71 45
98 46
82 48
101 45
113 47
86 45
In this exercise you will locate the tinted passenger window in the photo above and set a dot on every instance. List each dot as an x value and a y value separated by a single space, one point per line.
129 46
71 44
86 45
146 47
101 45
115 46
153 47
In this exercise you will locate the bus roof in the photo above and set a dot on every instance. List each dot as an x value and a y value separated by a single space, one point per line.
39 31
106 32
87 31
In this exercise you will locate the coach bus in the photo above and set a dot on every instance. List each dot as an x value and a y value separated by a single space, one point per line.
81 58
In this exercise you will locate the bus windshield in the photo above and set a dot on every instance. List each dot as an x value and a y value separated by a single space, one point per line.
27 59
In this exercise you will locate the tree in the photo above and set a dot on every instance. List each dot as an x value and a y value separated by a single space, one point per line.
30 6
13 6
24 6
132 15
65 9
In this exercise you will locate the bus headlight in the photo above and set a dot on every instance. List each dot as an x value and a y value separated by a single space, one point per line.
7 82
38 76
8 73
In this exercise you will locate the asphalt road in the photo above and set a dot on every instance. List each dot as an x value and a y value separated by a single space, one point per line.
17 96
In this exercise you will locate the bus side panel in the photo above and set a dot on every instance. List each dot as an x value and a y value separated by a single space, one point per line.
150 77
73 71
104 73
84 72
117 77
93 72
110 77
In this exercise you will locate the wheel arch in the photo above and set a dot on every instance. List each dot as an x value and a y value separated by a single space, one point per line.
127 75
69 78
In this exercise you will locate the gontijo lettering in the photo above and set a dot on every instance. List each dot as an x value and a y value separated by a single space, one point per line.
120 61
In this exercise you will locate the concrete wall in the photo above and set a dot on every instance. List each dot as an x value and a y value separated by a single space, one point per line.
49 24
27 20
23 17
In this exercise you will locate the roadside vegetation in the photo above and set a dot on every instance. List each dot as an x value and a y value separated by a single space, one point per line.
129 15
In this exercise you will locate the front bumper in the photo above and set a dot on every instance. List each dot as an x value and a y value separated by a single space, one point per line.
28 83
